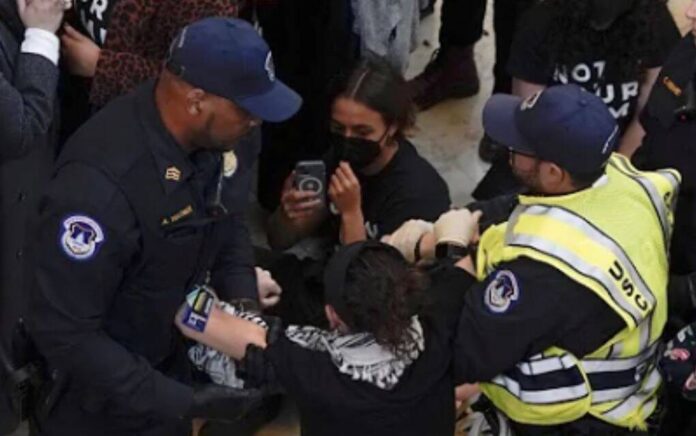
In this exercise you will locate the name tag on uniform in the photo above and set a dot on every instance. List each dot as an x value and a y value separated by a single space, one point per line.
199 304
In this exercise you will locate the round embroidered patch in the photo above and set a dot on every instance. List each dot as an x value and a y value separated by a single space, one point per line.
81 237
502 292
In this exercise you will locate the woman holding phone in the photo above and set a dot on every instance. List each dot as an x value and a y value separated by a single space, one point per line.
375 181
376 178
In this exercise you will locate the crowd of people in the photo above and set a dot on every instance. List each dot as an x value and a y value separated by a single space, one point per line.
134 300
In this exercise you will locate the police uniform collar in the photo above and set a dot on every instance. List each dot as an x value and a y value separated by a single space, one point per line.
173 164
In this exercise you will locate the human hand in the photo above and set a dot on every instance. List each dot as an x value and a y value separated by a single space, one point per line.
344 190
268 288
406 238
457 227
42 14
298 205
81 53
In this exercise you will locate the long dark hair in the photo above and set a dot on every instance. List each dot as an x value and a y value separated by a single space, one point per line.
628 41
376 85
382 293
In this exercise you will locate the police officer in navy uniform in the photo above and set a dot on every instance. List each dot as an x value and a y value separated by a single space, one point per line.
670 125
561 330
669 120
140 211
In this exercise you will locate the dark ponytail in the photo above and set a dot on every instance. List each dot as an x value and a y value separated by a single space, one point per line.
382 293
376 85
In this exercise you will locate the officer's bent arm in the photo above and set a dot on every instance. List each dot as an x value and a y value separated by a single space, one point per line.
86 239
233 274
524 311
226 333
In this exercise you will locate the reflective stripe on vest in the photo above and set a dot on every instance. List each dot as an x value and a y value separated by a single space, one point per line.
618 379
644 298
546 396
626 407
612 239
529 380
672 178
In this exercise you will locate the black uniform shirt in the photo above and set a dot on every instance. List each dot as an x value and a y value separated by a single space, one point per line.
670 142
86 320
540 308
407 188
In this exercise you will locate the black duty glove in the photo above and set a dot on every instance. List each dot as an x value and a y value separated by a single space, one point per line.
221 403
257 370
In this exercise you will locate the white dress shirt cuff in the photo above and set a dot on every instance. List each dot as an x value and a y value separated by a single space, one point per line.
41 42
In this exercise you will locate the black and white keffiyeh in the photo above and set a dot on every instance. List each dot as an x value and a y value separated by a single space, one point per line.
359 355
356 355
221 368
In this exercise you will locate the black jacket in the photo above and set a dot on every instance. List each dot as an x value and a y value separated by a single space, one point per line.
127 230
28 85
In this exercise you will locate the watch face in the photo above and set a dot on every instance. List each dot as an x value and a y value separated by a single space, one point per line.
452 252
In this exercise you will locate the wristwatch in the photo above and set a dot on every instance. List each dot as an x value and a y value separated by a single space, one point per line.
451 252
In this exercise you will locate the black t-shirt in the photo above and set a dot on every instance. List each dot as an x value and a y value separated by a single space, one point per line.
94 17
422 402
531 61
407 188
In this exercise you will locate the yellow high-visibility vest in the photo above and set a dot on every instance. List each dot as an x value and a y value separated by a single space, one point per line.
613 239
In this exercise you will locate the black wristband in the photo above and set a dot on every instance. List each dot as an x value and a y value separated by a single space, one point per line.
451 252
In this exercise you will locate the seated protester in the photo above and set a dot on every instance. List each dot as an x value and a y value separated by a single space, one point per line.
384 365
614 49
377 179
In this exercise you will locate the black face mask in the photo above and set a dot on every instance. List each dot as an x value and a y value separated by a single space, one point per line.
605 12
358 152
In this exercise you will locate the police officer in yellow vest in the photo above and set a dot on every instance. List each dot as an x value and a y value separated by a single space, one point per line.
562 329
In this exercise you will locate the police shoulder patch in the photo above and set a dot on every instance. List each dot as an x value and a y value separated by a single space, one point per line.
81 237
502 292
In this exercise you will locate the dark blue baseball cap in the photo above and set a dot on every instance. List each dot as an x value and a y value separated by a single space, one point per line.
563 124
227 57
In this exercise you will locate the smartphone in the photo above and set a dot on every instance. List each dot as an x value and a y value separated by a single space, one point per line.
310 176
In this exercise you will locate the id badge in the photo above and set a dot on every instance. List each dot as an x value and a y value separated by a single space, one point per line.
199 304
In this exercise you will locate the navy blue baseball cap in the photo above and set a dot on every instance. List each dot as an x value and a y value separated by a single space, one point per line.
227 57
563 124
